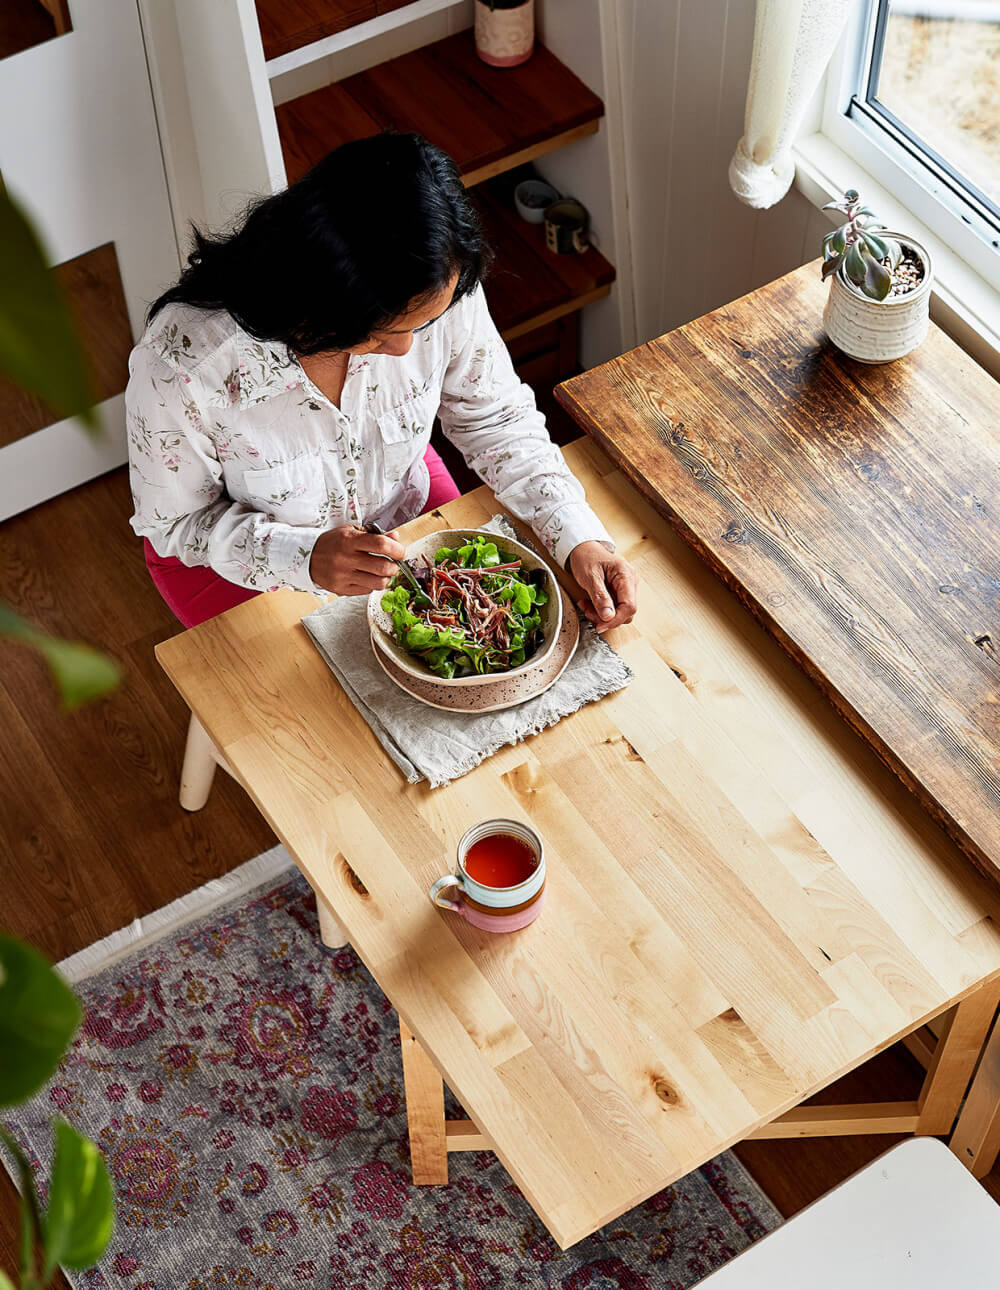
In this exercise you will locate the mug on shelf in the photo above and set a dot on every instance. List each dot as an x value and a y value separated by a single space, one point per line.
566 224
499 885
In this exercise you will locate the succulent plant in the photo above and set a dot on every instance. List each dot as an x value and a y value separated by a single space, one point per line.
869 260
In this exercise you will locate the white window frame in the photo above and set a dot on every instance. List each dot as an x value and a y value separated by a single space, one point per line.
960 223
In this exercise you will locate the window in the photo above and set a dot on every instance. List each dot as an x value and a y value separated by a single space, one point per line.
916 101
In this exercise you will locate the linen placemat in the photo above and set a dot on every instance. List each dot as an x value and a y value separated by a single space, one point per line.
428 743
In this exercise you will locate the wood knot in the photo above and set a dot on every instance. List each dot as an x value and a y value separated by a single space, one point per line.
630 751
946 589
735 534
664 1091
524 779
353 881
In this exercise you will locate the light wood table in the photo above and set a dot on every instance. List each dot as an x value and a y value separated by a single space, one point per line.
744 903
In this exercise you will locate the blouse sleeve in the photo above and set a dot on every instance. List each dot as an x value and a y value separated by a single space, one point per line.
177 487
489 414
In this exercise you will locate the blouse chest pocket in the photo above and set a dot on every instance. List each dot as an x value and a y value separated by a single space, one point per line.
292 492
404 432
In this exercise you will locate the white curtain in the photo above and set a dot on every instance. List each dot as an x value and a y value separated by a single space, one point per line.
793 41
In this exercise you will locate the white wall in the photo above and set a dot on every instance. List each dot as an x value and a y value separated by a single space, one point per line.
673 75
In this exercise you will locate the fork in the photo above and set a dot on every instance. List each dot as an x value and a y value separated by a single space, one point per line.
402 565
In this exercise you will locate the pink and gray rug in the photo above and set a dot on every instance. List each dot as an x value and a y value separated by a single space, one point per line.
246 1090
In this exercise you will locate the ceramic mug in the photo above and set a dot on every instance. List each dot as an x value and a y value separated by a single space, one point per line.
494 909
566 225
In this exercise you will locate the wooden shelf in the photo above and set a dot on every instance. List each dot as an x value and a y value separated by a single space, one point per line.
93 287
26 23
530 285
489 119
286 25
389 14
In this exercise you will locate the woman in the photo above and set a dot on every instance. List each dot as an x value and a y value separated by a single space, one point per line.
283 394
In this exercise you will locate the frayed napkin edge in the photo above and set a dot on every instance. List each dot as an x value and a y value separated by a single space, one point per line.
594 695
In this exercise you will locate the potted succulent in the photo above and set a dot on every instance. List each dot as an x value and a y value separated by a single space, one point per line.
880 286
505 31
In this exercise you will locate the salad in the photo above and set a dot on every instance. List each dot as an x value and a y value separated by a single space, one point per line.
476 612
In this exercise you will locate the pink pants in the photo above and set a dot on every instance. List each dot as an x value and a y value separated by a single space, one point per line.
195 594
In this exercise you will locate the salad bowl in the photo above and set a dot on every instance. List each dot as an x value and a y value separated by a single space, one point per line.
420 554
500 689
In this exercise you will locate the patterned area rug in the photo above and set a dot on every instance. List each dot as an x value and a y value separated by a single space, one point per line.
246 1090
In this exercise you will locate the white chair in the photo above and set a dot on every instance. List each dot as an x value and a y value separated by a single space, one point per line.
914 1219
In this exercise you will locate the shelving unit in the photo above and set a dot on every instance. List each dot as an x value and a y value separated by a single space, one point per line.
492 121
301 31
268 65
489 119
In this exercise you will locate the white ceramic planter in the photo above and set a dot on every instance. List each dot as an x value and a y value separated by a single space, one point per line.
505 37
877 331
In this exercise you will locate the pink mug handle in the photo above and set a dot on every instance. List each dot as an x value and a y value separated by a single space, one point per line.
449 880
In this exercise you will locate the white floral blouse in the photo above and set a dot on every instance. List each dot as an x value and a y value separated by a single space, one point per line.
239 462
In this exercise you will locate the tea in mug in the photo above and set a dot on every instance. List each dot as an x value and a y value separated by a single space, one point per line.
500 860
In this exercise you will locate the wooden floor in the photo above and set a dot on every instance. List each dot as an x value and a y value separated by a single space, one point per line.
91 834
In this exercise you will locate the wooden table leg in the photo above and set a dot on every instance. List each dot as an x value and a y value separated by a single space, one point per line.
976 1140
424 1112
954 1060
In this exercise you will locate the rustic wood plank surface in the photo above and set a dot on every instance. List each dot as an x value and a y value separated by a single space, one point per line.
852 508
744 903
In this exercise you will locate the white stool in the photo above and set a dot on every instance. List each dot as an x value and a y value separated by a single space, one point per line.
201 758
914 1219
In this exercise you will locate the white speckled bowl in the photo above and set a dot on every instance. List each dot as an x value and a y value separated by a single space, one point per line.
551 613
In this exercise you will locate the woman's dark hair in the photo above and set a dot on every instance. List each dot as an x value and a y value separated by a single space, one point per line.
375 226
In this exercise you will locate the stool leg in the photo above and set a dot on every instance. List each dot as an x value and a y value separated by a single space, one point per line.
332 931
424 1112
198 771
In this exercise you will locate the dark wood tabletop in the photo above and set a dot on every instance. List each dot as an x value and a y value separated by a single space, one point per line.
854 509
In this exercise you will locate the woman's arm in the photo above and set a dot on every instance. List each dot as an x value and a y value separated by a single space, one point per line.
489 414
179 496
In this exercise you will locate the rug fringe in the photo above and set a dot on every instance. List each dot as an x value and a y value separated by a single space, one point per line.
143 931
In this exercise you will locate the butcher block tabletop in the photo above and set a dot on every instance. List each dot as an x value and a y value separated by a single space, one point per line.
853 508
743 903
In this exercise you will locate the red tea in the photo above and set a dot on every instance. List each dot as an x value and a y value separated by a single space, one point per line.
500 860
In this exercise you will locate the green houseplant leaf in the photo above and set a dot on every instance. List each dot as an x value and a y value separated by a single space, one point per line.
39 347
854 264
80 673
878 279
78 1222
39 1015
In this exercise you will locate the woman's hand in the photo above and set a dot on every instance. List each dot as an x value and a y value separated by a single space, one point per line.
608 580
351 562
